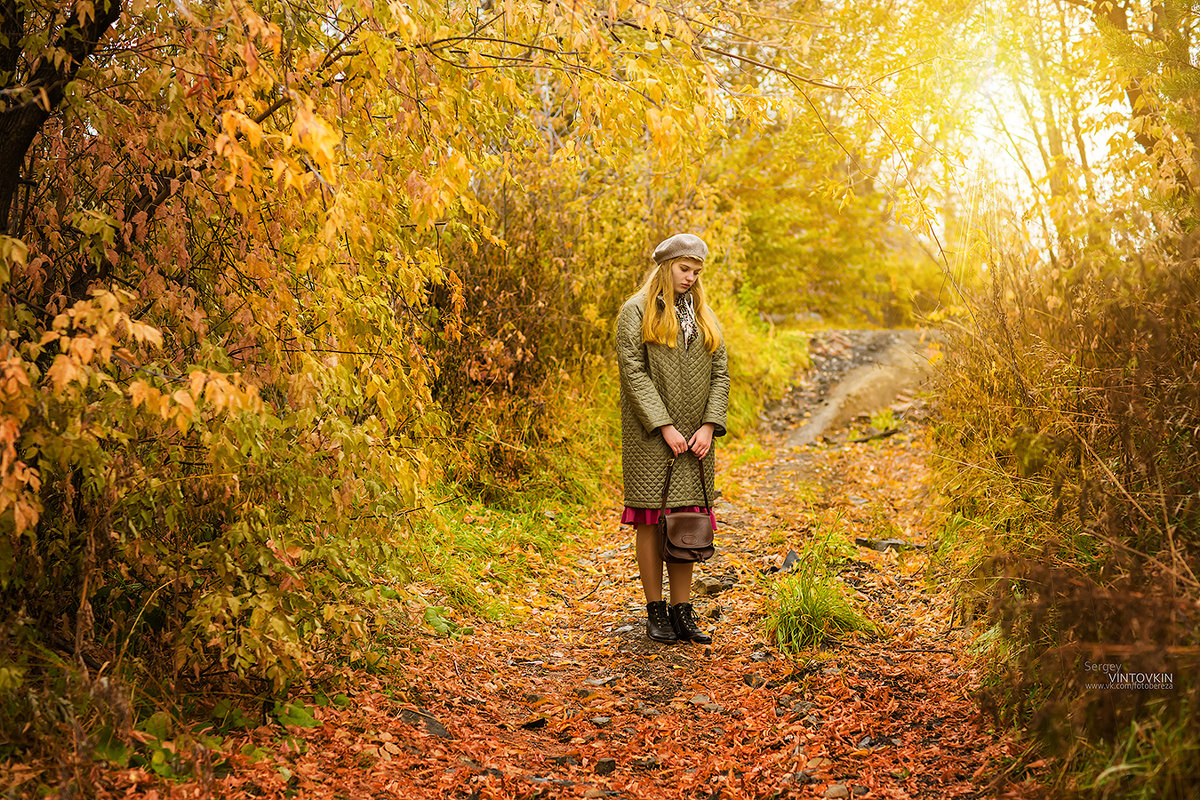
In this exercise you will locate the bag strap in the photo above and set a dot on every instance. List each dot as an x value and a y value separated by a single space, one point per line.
667 482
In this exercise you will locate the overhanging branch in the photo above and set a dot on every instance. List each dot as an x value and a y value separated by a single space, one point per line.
44 92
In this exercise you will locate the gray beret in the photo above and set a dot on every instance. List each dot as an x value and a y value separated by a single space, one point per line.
681 244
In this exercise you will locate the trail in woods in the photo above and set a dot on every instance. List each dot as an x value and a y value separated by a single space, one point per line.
577 702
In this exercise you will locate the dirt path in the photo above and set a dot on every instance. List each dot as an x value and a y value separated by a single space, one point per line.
577 702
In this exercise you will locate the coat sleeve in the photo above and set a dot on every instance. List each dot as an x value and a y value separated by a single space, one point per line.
636 384
718 392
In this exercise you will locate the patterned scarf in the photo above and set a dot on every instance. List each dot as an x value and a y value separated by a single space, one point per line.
686 313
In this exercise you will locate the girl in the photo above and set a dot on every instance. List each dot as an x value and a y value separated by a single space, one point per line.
674 394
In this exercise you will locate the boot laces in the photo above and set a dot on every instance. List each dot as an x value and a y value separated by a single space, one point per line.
687 618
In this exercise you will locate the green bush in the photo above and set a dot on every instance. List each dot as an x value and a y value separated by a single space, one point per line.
807 609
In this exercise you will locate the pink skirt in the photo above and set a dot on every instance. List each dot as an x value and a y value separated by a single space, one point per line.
649 516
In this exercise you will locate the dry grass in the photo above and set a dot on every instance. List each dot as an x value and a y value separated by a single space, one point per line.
1069 456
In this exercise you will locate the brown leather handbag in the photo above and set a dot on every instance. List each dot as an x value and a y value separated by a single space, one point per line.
685 537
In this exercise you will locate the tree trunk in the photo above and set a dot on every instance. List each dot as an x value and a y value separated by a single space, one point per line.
44 92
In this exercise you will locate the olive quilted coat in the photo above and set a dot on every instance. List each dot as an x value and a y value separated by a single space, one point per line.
661 385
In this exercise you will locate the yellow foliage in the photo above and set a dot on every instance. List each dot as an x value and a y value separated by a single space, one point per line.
301 263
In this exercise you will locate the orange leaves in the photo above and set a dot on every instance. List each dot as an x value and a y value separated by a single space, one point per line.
14 387
13 254
19 483
142 393
433 191
219 393
225 392
82 348
89 336
236 123
64 370
88 332
146 334
185 409
313 135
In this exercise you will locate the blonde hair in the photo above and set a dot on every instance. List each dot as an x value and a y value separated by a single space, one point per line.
660 324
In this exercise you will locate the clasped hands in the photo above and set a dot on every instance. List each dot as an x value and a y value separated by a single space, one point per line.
700 443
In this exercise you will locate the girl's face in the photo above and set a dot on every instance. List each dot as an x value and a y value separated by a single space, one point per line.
684 273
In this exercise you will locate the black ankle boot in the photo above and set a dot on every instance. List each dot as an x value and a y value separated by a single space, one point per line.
658 622
683 620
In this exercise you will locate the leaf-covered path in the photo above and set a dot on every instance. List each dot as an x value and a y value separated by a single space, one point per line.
577 702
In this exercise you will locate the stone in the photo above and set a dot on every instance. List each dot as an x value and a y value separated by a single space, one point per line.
708 585
647 711
432 725
837 790
600 681
859 791
606 766
700 699
601 722
714 708
883 545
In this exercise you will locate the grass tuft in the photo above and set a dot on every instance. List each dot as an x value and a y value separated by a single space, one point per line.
807 610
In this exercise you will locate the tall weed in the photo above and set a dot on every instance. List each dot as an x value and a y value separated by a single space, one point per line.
1071 472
